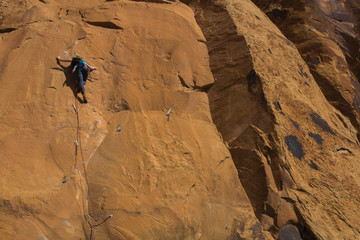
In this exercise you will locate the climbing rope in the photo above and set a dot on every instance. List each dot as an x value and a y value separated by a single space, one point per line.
78 144
98 221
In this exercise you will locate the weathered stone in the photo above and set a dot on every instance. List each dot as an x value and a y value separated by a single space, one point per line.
262 141
159 179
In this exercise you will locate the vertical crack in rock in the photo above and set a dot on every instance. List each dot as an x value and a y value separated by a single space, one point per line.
238 107
250 166
243 116
182 81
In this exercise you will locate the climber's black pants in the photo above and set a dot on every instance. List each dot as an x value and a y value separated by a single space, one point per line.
81 79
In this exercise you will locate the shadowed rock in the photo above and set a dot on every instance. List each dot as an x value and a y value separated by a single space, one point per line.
319 140
110 25
294 146
289 232
321 123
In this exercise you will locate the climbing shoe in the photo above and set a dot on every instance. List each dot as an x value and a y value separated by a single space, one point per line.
85 100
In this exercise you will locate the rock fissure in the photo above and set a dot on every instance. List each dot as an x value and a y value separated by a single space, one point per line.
105 24
7 30
231 61
155 1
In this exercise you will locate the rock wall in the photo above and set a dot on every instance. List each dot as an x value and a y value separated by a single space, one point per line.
261 139
326 35
159 177
284 135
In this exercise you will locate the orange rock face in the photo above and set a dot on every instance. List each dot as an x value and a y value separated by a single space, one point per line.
204 121
285 136
159 177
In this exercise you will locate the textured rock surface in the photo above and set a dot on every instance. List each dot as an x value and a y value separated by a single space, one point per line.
261 142
160 179
326 34
295 153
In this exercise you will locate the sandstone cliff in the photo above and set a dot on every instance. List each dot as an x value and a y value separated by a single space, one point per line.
261 141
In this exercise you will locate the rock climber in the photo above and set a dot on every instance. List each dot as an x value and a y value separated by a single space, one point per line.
81 71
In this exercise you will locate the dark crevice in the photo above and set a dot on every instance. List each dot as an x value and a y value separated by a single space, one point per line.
109 25
302 190
183 82
7 30
352 53
305 230
11 29
289 200
82 13
222 161
277 106
253 81
278 13
296 125
342 120
275 162
252 175
237 93
153 1
344 149
313 165
204 88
